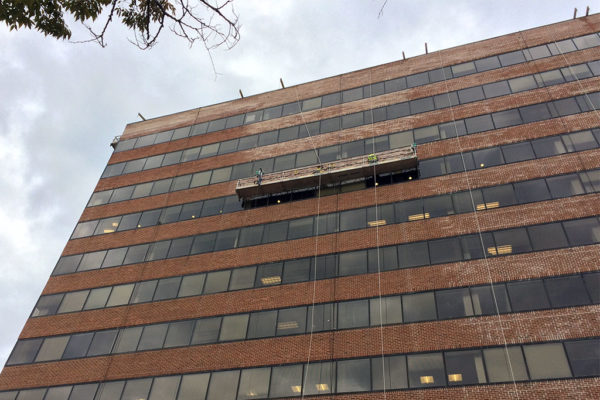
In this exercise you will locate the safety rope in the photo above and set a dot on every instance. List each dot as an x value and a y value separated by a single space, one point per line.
476 215
375 185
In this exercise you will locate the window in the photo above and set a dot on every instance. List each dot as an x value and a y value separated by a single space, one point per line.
471 94
300 228
296 270
418 307
47 305
582 231
546 147
510 241
286 381
91 261
254 383
426 370
320 378
269 274
233 327
136 254
503 364
488 157
153 337
391 308
158 250
206 331
73 301
251 235
592 282
193 387
530 191
102 343
584 356
421 105
216 282
463 69
506 118
52 348
144 291
353 314
533 113
547 236
515 57
487 303
547 361
191 285
453 303
97 298
111 390
180 247
398 110
24 351
465 367
485 64
527 295
522 83
223 385
128 339
417 80
496 89
353 376
262 324
567 291
120 295
179 333
291 321
565 186
353 263
426 134
324 318
242 278
445 250
164 387
226 240
352 95
413 255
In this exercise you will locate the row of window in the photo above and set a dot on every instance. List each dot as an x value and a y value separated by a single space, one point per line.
478 366
516 152
485 122
437 251
417 106
520 296
555 187
375 89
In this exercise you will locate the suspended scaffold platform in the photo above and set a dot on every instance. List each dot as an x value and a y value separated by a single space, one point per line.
395 160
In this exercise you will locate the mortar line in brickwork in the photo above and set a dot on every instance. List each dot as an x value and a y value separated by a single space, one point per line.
476 216
377 224
314 285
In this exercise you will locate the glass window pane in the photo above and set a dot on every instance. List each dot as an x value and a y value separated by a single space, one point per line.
565 186
453 303
217 282
479 124
300 228
24 351
67 264
418 307
233 327
506 118
395 372
510 241
136 389
97 298
32 394
592 282
353 314
158 250
324 317
286 381
546 147
470 94
496 89
391 308
547 236
487 303
584 356
206 331
426 370
527 295
398 110
353 263
254 383
488 157
153 337
531 191
102 343
191 285
485 64
354 376
262 324
128 339
144 291
465 367
291 321
164 387
547 361
522 83
179 333
110 390
82 392
167 288
413 255
504 364
52 348
73 301
296 270
582 231
54 393
47 305
445 250
567 291
220 175
421 105
136 254
320 378
268 274
180 247
518 152
498 196
417 80
120 295
193 387
91 261
200 179
226 240
463 69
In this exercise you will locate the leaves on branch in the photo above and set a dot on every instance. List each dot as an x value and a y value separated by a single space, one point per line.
214 23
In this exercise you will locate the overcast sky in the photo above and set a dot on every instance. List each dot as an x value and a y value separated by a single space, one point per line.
61 103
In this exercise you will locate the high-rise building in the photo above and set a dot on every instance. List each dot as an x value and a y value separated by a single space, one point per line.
427 228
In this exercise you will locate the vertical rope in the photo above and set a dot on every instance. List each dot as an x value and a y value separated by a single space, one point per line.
476 215
377 242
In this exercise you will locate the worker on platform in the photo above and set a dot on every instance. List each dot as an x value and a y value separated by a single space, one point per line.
259 176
